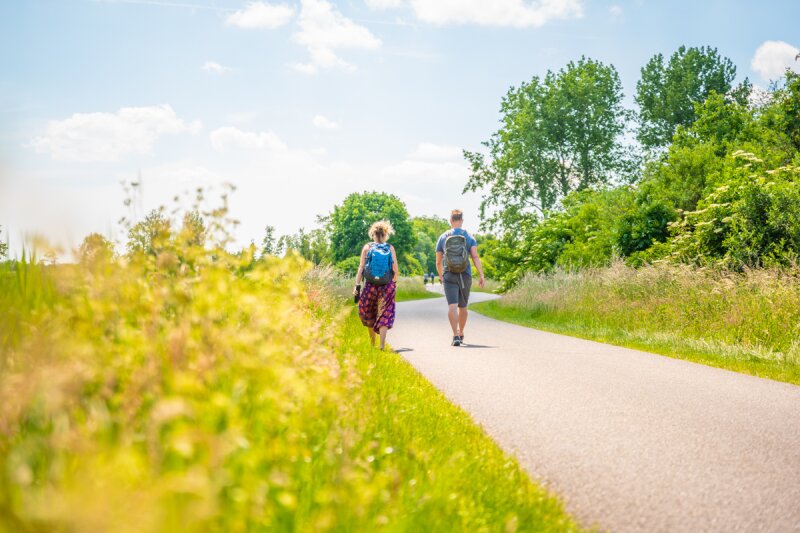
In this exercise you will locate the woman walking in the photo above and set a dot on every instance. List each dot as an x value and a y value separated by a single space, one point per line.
378 270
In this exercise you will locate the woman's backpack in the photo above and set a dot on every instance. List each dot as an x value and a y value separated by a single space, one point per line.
378 267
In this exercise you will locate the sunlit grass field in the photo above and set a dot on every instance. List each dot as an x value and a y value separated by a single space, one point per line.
194 389
748 322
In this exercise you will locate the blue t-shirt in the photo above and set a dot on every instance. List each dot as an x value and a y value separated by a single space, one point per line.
458 231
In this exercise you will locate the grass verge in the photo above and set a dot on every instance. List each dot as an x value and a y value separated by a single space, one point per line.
437 469
742 322
412 289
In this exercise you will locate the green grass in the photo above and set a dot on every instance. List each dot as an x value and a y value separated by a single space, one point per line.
443 473
490 286
742 322
412 289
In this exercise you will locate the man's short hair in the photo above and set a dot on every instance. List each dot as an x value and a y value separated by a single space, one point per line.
456 215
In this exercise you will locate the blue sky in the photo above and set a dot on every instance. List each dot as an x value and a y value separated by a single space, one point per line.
301 102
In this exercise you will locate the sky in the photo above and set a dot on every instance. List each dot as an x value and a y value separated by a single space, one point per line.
299 103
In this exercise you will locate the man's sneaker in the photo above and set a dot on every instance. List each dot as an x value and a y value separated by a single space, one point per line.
456 340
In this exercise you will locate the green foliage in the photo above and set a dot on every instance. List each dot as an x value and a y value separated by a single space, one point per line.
752 220
270 243
150 235
349 266
542 152
348 224
409 265
583 233
314 245
667 92
95 249
698 202
427 230
643 226
3 246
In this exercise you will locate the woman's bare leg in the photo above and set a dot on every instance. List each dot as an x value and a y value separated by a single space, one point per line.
384 329
372 336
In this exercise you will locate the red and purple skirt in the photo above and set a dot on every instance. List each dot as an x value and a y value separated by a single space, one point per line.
376 306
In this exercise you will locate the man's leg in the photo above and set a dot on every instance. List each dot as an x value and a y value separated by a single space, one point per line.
462 320
452 314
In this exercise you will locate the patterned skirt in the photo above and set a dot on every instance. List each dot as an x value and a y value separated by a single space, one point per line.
376 306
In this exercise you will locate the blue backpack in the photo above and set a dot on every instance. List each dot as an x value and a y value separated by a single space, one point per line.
378 267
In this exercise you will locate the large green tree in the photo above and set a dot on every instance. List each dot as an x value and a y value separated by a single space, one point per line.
559 133
349 222
668 91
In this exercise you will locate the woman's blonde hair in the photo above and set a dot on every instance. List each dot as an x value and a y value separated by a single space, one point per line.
381 230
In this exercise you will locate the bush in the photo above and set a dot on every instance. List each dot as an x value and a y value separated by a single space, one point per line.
752 220
349 266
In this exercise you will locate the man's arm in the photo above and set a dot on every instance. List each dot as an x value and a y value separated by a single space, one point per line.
477 260
440 265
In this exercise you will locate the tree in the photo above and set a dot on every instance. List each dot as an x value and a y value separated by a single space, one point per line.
270 243
313 245
151 235
427 231
559 134
348 224
3 246
193 230
667 93
95 249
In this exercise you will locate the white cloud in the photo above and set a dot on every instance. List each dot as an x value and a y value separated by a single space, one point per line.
108 136
615 10
228 139
384 4
430 151
324 123
323 30
773 58
214 67
261 15
516 13
430 163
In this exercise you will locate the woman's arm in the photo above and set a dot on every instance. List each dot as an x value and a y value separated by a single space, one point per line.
394 263
360 273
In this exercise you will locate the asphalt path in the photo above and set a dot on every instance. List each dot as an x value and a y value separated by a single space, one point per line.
631 441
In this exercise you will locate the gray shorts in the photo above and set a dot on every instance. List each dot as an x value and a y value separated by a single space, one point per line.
453 289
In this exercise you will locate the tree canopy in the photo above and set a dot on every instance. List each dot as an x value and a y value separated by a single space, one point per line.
668 92
349 222
559 133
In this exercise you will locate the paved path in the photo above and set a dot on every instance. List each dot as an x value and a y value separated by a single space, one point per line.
631 441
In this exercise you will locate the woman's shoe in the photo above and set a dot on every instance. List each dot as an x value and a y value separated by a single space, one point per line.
456 340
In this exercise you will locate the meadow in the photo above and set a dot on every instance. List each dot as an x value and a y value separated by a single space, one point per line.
744 321
187 388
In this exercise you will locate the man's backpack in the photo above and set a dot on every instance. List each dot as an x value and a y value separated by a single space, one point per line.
378 267
456 258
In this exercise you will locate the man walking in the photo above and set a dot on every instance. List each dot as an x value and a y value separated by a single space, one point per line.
453 251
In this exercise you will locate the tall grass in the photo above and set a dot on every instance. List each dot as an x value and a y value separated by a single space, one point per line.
747 321
198 390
